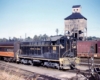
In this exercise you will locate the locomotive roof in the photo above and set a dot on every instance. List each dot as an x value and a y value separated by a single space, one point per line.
76 6
54 38
6 43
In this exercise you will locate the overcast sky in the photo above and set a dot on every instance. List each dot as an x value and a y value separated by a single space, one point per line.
18 17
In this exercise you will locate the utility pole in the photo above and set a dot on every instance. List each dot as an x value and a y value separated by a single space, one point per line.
25 36
20 37
57 31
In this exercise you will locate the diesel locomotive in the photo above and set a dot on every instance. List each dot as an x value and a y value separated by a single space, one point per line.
56 51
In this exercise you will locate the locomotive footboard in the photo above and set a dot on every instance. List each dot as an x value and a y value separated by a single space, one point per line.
66 62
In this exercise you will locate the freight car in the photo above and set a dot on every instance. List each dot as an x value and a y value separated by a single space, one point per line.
84 49
56 51
8 50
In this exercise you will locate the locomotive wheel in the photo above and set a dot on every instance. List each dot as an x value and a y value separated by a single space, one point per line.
8 59
5 59
58 66
26 62
72 66
1 58
31 62
22 61
42 64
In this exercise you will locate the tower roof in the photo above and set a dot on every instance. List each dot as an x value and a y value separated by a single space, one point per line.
76 6
75 16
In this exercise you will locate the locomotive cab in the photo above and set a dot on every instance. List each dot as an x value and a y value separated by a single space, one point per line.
69 58
67 51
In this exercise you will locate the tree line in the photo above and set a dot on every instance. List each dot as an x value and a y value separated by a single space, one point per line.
35 38
39 38
93 38
28 38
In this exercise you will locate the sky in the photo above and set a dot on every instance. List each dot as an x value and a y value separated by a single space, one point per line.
35 17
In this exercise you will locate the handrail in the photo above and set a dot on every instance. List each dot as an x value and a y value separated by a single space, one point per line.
65 52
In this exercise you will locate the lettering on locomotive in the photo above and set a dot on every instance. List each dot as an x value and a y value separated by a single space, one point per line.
35 49
9 50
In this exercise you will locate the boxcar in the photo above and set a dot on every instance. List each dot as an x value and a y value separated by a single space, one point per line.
98 46
84 49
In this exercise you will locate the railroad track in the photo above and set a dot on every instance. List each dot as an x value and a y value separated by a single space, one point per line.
27 75
50 68
29 72
86 61
53 73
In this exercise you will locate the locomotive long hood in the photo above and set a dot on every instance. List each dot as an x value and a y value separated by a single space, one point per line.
6 43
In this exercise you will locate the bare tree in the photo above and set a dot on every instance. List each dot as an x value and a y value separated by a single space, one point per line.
35 38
